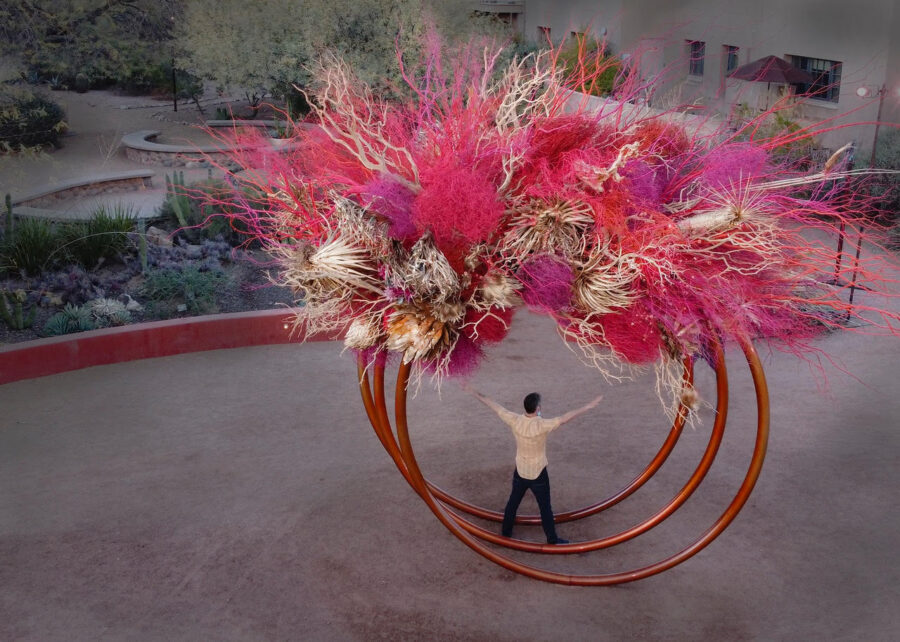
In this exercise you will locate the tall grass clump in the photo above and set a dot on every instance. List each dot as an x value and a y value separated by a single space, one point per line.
103 237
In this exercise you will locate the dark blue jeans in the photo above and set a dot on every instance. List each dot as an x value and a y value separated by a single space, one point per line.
540 486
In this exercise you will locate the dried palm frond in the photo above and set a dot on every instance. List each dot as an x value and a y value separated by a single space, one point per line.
498 289
421 332
604 283
358 226
333 265
364 332
548 227
427 272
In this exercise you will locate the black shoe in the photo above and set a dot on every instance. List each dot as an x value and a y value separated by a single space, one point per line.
559 540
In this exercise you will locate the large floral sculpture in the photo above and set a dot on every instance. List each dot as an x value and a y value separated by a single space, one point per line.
416 228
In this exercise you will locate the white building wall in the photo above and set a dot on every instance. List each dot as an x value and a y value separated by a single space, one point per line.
863 35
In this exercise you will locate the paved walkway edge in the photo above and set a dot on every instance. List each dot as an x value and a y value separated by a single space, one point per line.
147 340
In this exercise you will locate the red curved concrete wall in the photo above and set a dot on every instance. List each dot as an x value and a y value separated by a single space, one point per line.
146 340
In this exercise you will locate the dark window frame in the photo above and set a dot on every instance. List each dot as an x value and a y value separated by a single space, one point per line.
826 85
731 58
696 57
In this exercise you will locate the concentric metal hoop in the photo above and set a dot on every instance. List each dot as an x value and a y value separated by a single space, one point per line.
405 460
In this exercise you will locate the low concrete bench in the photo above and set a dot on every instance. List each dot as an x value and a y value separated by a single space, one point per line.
237 124
88 186
140 148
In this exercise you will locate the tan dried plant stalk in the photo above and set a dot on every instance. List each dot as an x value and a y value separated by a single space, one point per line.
592 349
729 207
354 119
674 393
529 87
596 177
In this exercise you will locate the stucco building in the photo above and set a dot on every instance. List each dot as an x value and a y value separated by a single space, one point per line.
851 48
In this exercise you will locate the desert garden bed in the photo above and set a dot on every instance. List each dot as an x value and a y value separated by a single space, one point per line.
115 269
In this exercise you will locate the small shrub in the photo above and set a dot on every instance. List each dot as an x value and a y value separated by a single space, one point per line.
190 285
33 248
72 318
206 209
102 237
147 77
82 83
886 188
108 312
29 120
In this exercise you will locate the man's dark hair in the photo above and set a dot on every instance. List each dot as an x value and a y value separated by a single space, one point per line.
532 401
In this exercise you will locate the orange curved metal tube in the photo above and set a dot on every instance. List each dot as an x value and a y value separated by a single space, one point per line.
417 481
384 433
595 544
579 513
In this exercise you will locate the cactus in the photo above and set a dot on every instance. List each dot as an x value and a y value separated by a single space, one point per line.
142 244
15 316
177 195
9 217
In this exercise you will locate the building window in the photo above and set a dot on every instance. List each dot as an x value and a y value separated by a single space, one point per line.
826 84
543 34
697 52
731 58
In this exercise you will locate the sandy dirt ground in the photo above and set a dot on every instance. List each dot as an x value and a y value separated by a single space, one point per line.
97 121
240 495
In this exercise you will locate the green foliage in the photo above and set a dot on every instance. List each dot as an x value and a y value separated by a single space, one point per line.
107 312
72 318
774 125
154 77
8 221
29 120
102 237
265 48
887 187
177 198
12 310
204 208
195 288
101 39
32 249
142 244
589 67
